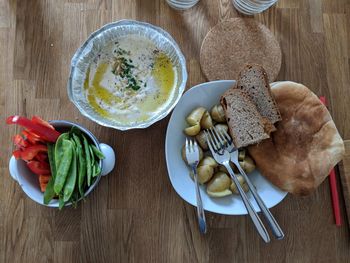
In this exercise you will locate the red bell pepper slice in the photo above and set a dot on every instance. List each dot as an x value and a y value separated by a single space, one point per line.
40 121
17 154
30 152
20 142
31 137
43 181
41 157
39 167
45 133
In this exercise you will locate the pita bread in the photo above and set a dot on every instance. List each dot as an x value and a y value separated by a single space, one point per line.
305 147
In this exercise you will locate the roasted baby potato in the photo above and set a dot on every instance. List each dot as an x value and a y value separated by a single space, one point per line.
207 160
206 121
242 182
247 164
222 127
219 185
217 113
202 140
241 155
193 130
224 170
195 116
183 154
205 173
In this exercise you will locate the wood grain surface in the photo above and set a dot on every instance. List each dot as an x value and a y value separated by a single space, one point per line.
134 215
344 169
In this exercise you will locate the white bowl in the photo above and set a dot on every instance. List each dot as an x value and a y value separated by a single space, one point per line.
29 182
207 95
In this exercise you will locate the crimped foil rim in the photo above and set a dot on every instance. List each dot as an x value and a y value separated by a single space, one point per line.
80 52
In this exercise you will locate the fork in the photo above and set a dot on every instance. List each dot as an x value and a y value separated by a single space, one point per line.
192 156
225 139
222 156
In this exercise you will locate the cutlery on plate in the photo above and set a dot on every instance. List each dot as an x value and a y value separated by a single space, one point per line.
222 156
226 140
192 156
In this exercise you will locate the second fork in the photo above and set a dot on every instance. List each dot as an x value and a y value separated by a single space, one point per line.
222 156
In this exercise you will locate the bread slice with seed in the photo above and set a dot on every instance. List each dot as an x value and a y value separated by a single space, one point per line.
253 80
246 125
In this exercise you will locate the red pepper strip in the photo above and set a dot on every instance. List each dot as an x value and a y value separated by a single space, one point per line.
39 167
19 141
31 137
17 154
43 181
44 132
30 152
41 157
40 121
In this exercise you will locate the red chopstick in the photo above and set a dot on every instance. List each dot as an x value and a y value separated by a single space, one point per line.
333 186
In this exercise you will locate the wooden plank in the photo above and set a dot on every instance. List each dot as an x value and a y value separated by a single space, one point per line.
344 169
134 215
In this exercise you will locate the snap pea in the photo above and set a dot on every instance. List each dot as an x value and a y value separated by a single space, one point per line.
97 169
58 148
71 178
64 165
75 130
49 191
60 201
92 156
51 155
81 164
74 199
88 160
97 152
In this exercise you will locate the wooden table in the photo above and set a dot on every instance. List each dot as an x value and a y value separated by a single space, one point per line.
134 215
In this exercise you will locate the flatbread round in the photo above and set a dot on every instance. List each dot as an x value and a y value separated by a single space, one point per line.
235 42
305 147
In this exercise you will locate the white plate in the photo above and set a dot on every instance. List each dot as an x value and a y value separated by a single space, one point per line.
207 95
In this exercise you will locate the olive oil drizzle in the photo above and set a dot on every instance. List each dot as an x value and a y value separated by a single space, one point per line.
102 100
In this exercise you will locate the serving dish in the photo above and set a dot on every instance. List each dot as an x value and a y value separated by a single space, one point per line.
207 95
112 33
29 182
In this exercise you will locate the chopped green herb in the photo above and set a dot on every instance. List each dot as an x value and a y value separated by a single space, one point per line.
123 68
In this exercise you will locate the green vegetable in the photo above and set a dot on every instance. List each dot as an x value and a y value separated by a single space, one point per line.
60 201
97 152
75 130
58 148
92 156
74 164
97 169
49 191
71 179
88 160
51 155
81 164
64 164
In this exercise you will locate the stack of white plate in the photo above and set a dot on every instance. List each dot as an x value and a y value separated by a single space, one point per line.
182 4
252 7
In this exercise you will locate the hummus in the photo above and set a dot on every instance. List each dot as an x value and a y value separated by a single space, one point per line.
130 80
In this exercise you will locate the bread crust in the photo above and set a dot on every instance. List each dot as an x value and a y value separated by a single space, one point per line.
243 73
305 147
265 126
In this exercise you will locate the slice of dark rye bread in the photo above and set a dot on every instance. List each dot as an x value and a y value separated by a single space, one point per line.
253 80
246 125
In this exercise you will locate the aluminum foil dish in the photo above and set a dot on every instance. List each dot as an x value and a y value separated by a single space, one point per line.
127 75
